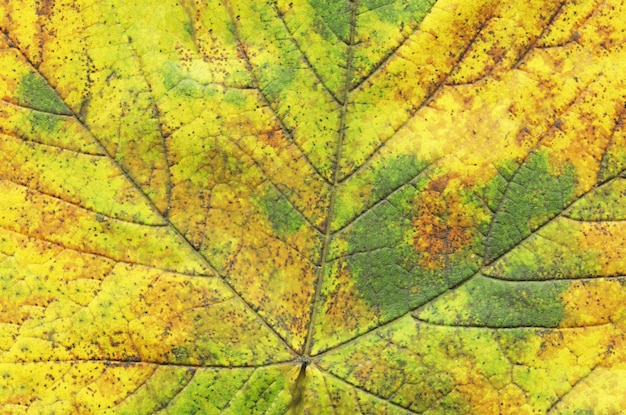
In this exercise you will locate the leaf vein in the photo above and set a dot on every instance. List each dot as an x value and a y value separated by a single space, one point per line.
157 116
288 133
384 199
292 38
178 393
366 392
333 192
170 224
474 275
76 205
277 188
428 99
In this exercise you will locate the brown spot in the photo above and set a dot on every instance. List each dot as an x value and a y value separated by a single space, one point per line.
524 137
274 139
497 54
443 224
439 184
45 7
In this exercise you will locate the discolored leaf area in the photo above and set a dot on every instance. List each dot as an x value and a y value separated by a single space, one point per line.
312 207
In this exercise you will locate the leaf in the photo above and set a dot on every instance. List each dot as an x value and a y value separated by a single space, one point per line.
313 207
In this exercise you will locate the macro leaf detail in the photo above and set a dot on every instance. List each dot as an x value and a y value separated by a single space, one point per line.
356 206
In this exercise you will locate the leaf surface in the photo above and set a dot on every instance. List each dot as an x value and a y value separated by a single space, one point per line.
365 206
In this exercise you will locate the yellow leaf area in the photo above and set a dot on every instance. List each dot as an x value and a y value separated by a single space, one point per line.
312 207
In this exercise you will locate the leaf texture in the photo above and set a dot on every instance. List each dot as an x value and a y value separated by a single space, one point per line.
311 207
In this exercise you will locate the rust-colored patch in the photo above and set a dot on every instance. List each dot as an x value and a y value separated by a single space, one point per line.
45 7
342 304
273 138
442 223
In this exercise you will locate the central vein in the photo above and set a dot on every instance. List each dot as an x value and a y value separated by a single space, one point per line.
335 179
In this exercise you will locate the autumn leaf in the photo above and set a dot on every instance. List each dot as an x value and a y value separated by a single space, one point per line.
312 207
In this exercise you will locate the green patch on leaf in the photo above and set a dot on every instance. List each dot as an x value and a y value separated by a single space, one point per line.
385 263
283 79
382 179
283 217
209 392
396 173
335 15
396 11
487 302
606 203
393 270
35 92
189 28
268 388
380 259
533 195
548 255
180 354
44 123
172 75
235 97
156 391
494 191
